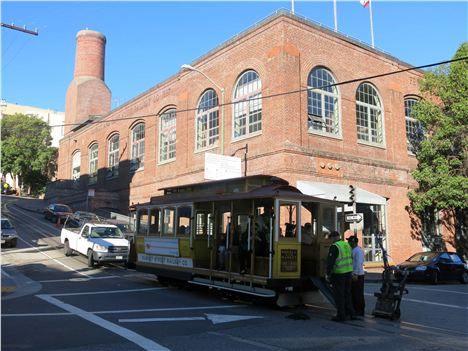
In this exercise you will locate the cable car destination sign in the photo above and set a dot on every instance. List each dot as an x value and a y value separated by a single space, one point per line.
353 217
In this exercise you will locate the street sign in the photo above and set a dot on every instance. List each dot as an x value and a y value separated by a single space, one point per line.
353 217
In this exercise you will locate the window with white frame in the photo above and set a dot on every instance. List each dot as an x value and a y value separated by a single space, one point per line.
113 156
138 147
414 130
167 136
93 163
76 162
247 105
369 117
207 120
322 103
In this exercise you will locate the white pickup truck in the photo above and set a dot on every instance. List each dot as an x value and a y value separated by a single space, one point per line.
101 243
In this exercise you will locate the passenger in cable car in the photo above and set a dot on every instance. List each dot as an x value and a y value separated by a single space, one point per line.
290 230
307 235
222 252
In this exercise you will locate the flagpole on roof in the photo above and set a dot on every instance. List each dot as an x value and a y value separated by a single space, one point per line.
371 23
292 7
334 16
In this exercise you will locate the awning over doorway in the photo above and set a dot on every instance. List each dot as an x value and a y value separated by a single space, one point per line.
338 192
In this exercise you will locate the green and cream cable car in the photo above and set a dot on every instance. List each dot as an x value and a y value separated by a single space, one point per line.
255 235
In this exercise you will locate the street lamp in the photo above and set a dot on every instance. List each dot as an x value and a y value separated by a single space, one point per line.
191 68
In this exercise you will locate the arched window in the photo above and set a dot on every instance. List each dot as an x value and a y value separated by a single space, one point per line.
207 120
369 119
167 136
322 102
76 162
113 156
414 129
138 147
93 163
247 105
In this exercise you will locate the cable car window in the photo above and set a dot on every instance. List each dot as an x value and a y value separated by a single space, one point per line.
142 221
329 220
155 215
184 214
204 224
288 219
168 221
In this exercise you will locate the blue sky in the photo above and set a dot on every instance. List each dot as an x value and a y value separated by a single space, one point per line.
148 41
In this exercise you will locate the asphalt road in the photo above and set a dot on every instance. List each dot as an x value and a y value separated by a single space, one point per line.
61 304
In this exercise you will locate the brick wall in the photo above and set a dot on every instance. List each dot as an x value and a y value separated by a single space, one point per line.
282 51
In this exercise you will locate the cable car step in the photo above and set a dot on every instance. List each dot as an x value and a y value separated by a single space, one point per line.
252 290
324 289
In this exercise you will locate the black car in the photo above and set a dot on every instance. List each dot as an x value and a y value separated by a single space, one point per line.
86 216
55 212
435 267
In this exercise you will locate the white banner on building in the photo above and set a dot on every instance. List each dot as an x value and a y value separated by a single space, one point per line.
222 167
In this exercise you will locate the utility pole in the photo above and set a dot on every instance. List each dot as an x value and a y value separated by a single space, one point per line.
24 30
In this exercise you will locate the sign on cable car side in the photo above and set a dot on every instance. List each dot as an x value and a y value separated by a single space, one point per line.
222 167
163 251
353 217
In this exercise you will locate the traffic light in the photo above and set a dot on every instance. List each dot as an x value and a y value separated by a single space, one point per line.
352 195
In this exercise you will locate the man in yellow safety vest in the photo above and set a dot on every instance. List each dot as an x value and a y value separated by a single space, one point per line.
339 271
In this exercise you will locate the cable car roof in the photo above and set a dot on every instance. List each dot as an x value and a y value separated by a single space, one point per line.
244 188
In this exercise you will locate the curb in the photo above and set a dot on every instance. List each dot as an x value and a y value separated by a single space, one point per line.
8 283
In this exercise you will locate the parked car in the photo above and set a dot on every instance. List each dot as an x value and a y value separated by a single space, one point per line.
9 236
435 267
87 216
54 212
9 191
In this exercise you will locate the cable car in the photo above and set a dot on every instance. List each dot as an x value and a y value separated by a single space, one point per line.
255 235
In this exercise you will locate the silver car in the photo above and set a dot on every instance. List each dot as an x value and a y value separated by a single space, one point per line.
9 236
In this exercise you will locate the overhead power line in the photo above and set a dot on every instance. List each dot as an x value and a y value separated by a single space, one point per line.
276 95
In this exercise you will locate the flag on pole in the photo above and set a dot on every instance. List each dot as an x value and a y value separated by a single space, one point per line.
364 3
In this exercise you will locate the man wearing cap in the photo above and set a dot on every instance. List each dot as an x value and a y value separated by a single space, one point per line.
357 283
339 269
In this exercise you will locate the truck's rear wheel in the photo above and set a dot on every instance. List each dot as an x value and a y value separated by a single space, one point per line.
90 259
66 248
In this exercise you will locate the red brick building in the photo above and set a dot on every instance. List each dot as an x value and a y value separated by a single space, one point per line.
319 140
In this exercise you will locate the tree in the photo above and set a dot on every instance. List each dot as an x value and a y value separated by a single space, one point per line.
26 150
443 155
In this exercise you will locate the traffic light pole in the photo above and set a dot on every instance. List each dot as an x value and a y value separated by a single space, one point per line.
354 223
352 200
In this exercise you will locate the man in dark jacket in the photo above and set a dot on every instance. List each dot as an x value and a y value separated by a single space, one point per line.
339 270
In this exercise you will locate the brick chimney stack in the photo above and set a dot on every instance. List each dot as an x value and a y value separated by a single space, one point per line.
87 94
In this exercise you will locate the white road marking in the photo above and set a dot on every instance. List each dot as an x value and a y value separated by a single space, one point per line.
107 292
166 309
126 311
429 303
175 319
137 339
412 287
55 260
214 318
438 290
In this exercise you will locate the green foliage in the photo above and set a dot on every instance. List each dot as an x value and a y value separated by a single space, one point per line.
26 149
442 169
